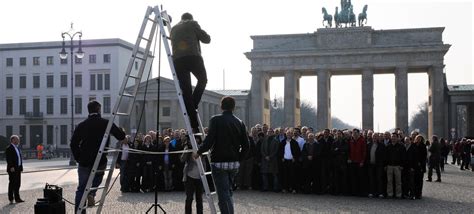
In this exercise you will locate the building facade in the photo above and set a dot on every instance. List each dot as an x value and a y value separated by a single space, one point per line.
35 87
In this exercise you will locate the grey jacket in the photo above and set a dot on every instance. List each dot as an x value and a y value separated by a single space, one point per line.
185 38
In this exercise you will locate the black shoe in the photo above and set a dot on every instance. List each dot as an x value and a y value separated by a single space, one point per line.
11 201
19 200
429 180
438 180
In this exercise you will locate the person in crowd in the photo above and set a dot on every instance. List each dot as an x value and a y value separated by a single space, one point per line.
14 169
39 151
85 143
340 151
357 154
265 128
393 165
135 164
228 138
387 137
420 168
307 164
147 163
192 179
244 179
457 153
444 151
123 165
472 154
289 153
465 154
269 161
326 142
375 162
409 166
177 175
299 180
256 181
434 159
167 163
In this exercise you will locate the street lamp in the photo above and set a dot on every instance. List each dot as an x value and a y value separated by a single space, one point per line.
63 55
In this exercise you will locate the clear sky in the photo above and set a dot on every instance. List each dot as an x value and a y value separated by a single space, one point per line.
231 23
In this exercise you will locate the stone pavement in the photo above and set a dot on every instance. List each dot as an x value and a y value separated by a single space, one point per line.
454 195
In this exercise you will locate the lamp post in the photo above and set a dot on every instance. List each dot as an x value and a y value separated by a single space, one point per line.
63 55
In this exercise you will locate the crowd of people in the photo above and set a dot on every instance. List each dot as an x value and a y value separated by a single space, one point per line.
299 160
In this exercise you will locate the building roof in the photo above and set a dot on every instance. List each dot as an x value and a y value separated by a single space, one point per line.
243 92
469 87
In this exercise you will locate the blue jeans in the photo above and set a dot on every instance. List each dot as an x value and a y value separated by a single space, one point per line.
224 180
83 175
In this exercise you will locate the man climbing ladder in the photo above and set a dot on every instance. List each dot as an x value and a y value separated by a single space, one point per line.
185 41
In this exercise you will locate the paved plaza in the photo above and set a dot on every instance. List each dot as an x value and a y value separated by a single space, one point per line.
454 195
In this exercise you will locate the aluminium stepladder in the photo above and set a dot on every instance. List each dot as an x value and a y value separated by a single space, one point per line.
162 19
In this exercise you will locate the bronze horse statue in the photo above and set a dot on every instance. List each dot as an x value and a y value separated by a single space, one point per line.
363 16
327 17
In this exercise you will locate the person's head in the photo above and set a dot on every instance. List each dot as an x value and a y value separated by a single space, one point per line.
93 107
339 134
355 133
434 139
310 137
186 16
15 140
370 133
419 139
166 140
395 137
227 103
265 128
413 134
386 136
289 133
148 139
270 132
326 133
253 131
407 140
296 132
261 135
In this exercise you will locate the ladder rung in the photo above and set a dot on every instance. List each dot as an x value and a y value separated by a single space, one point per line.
197 134
102 170
205 153
212 193
135 77
140 58
146 39
97 188
150 19
121 113
127 95
208 173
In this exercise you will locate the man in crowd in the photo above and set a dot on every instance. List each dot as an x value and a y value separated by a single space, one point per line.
85 143
357 154
375 161
434 159
229 142
185 40
393 162
14 169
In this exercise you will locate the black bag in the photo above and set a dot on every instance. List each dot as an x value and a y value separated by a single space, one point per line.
53 193
43 207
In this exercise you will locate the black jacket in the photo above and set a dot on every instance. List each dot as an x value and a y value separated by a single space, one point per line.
380 154
85 141
394 154
12 159
227 138
411 157
295 149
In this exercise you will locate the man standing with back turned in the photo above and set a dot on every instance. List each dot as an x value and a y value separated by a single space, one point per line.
228 141
85 144
185 40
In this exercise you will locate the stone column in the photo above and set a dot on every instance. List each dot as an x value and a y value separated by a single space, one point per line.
368 99
453 118
436 109
291 99
470 119
324 100
401 98
257 90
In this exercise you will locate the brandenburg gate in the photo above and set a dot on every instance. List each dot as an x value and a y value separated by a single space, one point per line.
348 51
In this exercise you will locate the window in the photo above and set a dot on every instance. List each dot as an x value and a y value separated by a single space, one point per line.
63 135
63 61
92 84
9 62
22 133
92 59
9 130
106 107
9 107
50 105
106 81
99 81
9 82
77 60
22 81
78 105
50 81
36 81
106 58
36 60
63 103
36 105
49 135
22 61
63 80
49 60
22 106
136 65
166 111
78 80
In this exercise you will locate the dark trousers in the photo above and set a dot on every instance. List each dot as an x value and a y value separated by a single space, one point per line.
14 184
466 160
193 186
244 179
376 179
418 182
408 182
148 178
224 180
434 164
356 177
340 176
124 177
83 175
184 67
287 175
